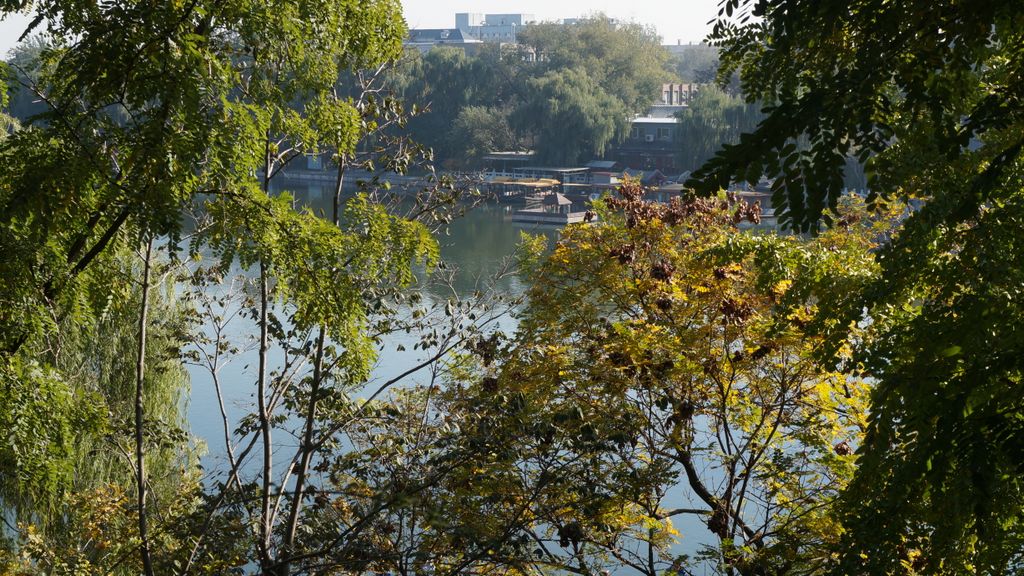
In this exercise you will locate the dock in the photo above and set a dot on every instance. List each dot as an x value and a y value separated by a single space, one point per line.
539 216
551 209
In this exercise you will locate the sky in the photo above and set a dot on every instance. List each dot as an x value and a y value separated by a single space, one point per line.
11 28
682 21
676 20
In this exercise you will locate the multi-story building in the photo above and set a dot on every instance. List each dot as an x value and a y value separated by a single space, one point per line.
426 38
653 140
678 94
470 31
652 144
495 28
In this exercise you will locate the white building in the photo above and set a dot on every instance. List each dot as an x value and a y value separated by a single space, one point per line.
496 28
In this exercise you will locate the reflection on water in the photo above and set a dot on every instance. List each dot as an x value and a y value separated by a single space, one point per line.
474 245
475 242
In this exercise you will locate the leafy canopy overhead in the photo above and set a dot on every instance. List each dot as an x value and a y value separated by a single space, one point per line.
148 106
850 78
149 111
928 95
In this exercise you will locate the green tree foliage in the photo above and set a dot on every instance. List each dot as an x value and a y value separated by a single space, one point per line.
43 415
441 79
150 111
667 357
85 394
143 115
328 277
713 119
425 495
446 81
572 116
627 59
591 78
25 62
695 63
478 131
928 94
70 413
604 71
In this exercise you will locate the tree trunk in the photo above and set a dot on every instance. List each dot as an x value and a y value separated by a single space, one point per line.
140 372
265 432
266 521
306 453
308 444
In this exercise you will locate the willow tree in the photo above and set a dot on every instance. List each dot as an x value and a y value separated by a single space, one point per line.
56 491
572 117
151 108
712 119
625 59
590 78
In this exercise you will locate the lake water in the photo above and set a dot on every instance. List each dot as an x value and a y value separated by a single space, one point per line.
475 244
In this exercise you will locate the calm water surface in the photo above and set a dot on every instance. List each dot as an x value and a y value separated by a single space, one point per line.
475 244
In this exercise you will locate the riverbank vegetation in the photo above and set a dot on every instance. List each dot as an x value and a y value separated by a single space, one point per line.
566 91
843 399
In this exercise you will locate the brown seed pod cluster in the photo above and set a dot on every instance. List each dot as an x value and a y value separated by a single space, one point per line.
718 523
725 273
763 350
749 212
662 270
702 211
848 220
624 253
489 384
735 311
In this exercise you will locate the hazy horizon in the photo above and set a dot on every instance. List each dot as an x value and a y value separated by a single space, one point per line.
680 22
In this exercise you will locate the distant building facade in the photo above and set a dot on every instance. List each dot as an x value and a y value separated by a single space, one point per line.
493 28
425 39
471 30
678 94
652 144
654 139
